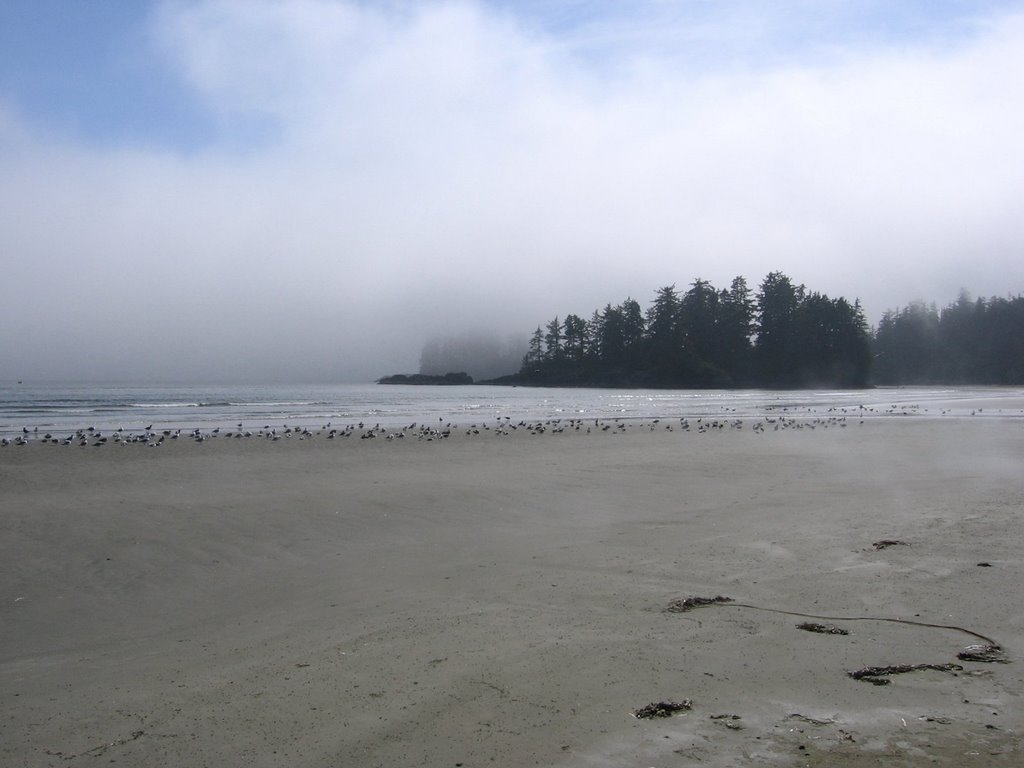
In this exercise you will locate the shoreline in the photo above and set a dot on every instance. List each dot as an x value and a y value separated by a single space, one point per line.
61 411
485 600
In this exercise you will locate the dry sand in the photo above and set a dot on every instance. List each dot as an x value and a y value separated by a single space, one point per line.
485 600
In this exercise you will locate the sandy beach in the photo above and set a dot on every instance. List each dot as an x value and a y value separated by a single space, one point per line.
486 600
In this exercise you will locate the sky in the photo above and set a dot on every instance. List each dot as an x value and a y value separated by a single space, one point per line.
308 190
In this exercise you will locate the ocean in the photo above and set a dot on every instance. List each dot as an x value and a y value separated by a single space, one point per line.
61 409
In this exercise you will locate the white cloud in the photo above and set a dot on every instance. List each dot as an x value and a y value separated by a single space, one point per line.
441 166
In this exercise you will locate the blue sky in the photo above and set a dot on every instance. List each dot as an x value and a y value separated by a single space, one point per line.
92 71
281 178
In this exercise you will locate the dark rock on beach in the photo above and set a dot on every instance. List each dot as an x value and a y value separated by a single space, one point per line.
423 378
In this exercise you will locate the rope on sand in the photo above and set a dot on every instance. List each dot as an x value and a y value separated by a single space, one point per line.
889 619
990 652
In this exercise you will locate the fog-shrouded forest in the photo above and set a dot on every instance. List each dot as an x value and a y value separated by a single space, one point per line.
481 354
967 342
781 335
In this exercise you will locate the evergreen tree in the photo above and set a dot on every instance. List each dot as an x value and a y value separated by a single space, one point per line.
664 343
833 343
853 354
612 341
906 346
633 331
1003 342
663 321
777 345
737 329
575 338
534 351
553 340
958 332
699 322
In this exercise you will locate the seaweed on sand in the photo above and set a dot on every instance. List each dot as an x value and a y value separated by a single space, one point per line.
663 709
878 675
991 654
886 543
823 629
684 604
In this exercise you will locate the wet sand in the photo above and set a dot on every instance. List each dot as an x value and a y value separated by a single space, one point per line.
484 600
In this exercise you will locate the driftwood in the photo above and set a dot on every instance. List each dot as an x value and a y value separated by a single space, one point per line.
663 709
684 604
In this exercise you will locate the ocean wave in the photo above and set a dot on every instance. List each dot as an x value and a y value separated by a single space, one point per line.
280 404
46 408
165 405
199 404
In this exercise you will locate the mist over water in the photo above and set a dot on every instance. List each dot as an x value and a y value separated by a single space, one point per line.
61 409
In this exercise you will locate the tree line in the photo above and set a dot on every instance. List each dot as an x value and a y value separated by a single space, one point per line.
967 342
781 336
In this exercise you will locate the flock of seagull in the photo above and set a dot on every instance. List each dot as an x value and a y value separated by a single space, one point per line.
503 427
